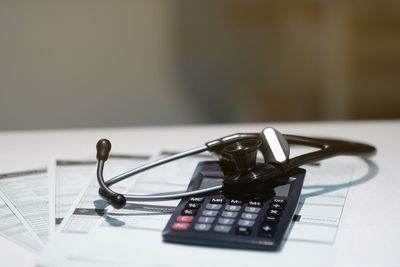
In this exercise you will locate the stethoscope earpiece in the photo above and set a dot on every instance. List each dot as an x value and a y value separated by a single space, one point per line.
103 148
118 201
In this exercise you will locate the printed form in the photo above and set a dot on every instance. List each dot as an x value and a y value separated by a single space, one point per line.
89 211
317 217
89 208
67 178
13 227
139 225
27 192
153 216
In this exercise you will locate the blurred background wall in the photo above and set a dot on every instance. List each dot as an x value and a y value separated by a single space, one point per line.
104 63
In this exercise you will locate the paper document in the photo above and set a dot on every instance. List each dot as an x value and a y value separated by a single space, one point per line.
27 191
171 177
14 228
91 212
319 212
317 217
89 208
137 229
66 180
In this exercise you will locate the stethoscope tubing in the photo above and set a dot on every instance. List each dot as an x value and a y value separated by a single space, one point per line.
328 148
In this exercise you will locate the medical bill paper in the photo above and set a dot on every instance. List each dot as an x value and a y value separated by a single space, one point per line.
27 192
66 180
317 222
88 209
15 228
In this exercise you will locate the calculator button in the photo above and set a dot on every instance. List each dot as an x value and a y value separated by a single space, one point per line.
279 201
222 228
217 200
226 221
232 208
277 206
202 227
189 212
257 204
192 206
206 219
196 199
252 209
184 219
229 214
180 226
211 213
213 206
267 230
249 216
272 219
274 212
235 202
241 230
248 223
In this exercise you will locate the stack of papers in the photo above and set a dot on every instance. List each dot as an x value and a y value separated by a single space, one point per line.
56 212
34 203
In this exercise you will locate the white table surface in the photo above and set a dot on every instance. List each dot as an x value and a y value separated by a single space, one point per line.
370 236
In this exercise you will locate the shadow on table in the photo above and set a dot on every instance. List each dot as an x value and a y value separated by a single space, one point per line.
372 171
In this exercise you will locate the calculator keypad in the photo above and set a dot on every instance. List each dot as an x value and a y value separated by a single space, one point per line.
225 216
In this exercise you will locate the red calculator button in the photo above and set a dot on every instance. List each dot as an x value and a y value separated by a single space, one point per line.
180 226
184 219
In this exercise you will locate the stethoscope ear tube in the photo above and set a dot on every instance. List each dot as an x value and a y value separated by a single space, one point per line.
342 147
327 148
118 200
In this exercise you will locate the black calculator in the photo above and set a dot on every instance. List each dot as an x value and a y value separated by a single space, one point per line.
232 220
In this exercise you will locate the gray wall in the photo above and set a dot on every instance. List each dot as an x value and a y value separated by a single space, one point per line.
88 64
98 63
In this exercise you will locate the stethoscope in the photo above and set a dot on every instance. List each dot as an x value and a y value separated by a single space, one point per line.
237 156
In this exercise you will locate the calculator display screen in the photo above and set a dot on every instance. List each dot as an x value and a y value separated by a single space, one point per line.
280 191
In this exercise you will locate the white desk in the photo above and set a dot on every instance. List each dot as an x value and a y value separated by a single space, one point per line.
366 238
